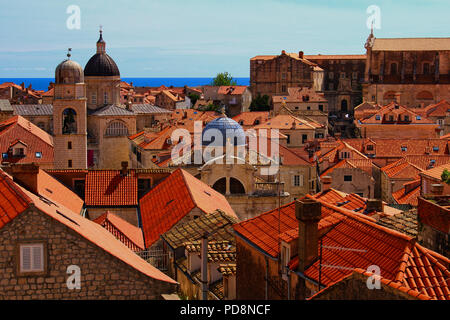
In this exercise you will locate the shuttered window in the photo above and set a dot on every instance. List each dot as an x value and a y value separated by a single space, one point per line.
32 258
297 180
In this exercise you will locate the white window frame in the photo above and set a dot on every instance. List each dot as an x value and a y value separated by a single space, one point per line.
36 257
297 180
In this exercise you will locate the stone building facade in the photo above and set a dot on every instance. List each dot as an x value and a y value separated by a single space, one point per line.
103 276
413 71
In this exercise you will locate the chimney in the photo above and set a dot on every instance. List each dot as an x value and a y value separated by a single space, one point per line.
374 205
437 189
124 170
326 183
283 52
26 175
308 212
300 54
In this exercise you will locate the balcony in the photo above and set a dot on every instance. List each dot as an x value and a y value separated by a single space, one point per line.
268 189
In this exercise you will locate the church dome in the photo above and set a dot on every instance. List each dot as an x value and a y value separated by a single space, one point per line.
231 131
69 71
101 64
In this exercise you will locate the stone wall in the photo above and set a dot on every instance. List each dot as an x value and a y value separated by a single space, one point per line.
103 276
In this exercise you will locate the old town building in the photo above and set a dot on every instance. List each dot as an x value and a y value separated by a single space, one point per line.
411 71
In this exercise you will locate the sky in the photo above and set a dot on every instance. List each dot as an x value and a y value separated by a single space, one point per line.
199 38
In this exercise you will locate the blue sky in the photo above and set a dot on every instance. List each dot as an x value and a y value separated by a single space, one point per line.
199 38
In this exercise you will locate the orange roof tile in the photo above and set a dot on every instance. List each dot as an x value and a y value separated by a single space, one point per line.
36 139
287 121
110 188
172 199
232 90
127 233
11 193
436 172
408 194
250 118
363 164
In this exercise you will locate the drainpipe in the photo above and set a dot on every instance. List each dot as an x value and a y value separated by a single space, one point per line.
204 272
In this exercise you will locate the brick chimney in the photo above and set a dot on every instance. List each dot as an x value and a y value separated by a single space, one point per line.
374 205
308 214
300 54
26 174
124 170
326 183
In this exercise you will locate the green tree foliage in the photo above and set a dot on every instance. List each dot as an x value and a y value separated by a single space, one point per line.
260 103
194 97
223 79
445 177
210 107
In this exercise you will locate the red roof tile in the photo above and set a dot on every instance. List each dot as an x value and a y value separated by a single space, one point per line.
20 198
408 195
36 140
110 188
172 199
127 233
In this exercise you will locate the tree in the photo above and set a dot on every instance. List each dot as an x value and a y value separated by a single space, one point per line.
223 79
260 103
194 97
445 177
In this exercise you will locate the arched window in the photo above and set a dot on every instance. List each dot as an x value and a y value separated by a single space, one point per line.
69 124
220 185
236 186
116 129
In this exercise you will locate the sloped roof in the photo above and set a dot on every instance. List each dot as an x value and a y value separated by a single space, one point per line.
363 164
36 139
148 109
436 172
249 118
411 44
173 198
407 195
287 122
14 200
217 225
112 110
335 56
127 231
33 109
394 109
5 105
110 188
405 222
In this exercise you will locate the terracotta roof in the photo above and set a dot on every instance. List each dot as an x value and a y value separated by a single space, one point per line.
408 195
49 93
411 44
287 122
110 188
173 198
363 276
396 111
36 139
436 172
363 164
405 222
5 105
232 90
127 233
440 109
249 118
411 166
398 256
336 57
228 269
12 194
147 109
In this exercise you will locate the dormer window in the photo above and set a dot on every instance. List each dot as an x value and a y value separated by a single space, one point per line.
435 149
404 148
377 117
38 155
370 147
418 117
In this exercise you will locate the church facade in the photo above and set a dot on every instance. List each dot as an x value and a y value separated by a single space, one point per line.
90 125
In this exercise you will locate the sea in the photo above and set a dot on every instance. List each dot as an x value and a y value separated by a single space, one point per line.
43 83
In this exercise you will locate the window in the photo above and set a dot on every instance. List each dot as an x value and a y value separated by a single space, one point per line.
69 145
343 75
440 122
69 122
38 154
304 138
297 180
347 178
426 68
321 107
393 68
69 163
370 147
406 118
330 86
105 98
355 75
32 258
404 148
391 118
19 152
308 108
283 76
94 98
283 88
418 117
377 117
116 129
4 155
330 75
435 149
288 140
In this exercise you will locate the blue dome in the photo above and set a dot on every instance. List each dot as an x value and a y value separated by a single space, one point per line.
230 130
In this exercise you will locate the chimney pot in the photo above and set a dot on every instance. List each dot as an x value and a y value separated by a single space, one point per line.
300 54
374 205
124 165
27 175
326 183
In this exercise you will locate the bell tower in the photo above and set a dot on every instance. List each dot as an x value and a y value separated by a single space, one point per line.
69 116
